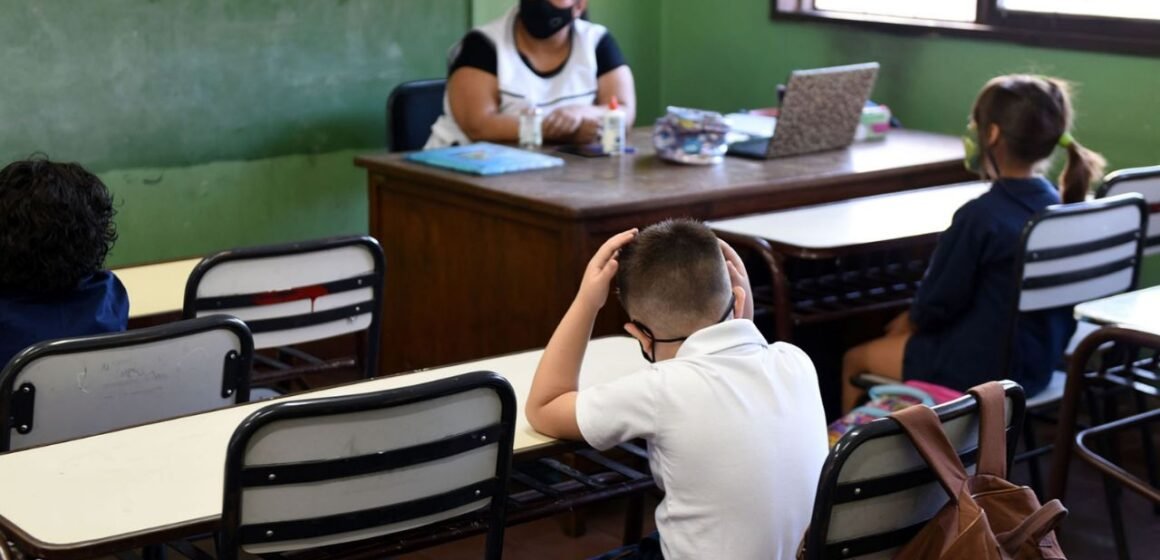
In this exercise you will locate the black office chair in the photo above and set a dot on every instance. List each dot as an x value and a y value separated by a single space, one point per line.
411 110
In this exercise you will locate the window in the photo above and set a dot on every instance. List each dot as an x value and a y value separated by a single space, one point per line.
1126 9
1115 25
949 10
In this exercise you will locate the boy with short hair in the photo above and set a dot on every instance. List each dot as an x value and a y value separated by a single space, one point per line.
57 221
736 430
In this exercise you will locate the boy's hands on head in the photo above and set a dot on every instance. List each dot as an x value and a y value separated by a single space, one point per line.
551 404
738 276
601 269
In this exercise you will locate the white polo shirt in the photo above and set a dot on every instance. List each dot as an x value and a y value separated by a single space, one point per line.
737 438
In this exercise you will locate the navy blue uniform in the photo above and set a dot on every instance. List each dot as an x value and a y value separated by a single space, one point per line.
98 305
962 311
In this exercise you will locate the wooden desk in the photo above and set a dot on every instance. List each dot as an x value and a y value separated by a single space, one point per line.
163 481
156 289
479 266
911 219
1139 310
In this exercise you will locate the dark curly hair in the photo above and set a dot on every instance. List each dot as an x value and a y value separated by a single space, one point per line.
56 226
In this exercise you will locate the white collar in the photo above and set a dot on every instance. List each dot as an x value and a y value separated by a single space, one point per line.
720 337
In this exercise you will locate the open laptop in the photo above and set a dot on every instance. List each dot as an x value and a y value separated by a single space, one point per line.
821 111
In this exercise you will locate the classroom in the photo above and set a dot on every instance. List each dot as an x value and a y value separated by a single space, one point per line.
579 279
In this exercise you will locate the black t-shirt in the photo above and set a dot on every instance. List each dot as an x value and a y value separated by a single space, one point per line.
477 51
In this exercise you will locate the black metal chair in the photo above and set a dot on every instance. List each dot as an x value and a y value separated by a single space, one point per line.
320 473
876 491
1069 254
297 293
1138 367
1146 182
76 387
411 110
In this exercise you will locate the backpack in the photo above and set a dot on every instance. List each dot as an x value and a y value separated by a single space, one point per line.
885 399
987 517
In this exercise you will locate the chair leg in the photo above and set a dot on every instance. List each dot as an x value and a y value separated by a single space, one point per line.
1112 494
1112 491
1148 446
1029 444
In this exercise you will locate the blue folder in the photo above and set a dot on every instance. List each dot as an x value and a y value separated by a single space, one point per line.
484 158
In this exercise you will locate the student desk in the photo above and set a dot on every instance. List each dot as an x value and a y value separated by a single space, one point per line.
1139 310
163 481
483 265
1136 310
908 221
156 290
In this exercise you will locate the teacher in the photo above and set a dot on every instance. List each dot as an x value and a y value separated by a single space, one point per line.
541 53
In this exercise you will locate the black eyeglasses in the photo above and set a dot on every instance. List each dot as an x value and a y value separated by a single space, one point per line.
654 340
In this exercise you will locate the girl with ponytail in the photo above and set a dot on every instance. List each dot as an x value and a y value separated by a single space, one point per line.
952 334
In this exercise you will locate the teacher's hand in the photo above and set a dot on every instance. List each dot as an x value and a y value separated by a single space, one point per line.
588 133
562 124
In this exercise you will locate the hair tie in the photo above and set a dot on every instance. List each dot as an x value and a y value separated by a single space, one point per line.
1066 140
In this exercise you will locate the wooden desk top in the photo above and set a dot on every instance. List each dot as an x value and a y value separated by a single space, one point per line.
156 289
1138 310
594 187
156 477
824 229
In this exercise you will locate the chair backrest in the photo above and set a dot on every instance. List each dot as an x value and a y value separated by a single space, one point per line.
411 110
76 387
1146 182
876 491
327 471
295 293
1072 253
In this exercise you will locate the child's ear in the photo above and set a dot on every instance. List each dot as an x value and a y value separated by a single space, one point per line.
738 302
993 134
636 333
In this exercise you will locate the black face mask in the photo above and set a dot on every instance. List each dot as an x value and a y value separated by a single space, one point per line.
542 19
652 358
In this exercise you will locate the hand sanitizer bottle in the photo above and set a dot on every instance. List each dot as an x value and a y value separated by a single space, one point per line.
613 130
531 127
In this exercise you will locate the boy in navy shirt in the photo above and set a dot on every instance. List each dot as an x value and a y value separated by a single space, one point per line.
57 227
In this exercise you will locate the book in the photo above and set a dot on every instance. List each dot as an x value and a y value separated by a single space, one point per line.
484 158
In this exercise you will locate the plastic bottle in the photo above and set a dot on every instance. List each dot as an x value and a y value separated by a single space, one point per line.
531 127
613 130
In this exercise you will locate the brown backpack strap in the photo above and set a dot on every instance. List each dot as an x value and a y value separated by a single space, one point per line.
992 401
923 427
1034 527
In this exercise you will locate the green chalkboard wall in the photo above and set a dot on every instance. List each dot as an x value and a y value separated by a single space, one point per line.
152 83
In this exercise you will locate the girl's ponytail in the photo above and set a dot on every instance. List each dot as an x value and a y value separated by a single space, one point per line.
1082 169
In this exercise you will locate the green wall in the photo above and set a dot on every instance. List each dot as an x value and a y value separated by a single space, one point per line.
220 123
216 123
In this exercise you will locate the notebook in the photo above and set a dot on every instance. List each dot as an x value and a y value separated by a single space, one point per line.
484 158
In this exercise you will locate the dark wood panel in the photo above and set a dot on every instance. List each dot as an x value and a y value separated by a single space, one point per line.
463 284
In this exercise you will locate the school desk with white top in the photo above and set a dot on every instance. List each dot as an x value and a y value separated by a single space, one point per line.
874 250
156 289
1138 309
163 481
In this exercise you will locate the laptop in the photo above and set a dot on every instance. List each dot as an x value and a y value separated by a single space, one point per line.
821 111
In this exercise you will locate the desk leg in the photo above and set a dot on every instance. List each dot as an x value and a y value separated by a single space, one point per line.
782 305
